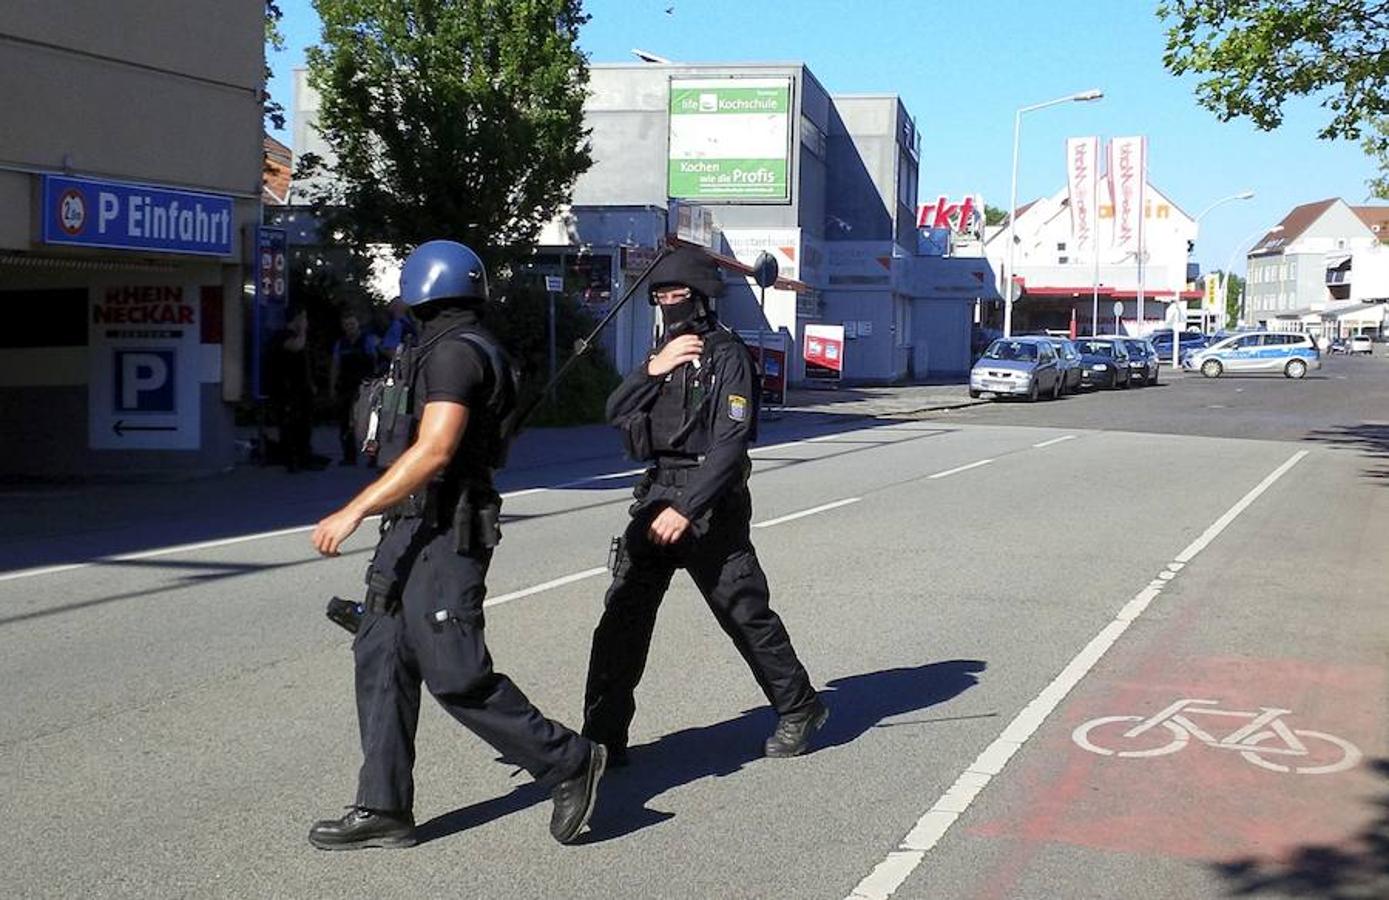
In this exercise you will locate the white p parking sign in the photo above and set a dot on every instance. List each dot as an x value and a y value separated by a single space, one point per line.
143 389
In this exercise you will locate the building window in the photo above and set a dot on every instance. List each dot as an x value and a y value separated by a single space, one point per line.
1061 247
1062 260
812 137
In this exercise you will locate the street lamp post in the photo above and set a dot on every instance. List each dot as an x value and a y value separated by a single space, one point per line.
1230 263
1176 333
1082 97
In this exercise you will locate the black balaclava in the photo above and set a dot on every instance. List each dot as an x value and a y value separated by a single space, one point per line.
444 315
686 317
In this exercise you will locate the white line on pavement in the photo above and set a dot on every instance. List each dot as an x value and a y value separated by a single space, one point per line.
807 512
162 551
899 863
1064 437
300 529
558 582
958 469
1211 533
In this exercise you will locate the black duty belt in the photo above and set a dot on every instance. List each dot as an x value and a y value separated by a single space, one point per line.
676 471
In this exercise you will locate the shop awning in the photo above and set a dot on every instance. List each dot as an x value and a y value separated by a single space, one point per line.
1357 312
1113 293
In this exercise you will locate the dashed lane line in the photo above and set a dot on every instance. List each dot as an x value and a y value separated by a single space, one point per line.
826 507
958 469
1054 441
900 863
548 585
301 529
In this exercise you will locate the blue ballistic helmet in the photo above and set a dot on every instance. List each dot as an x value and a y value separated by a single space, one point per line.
442 270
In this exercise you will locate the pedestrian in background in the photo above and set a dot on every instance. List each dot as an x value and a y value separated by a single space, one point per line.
354 361
292 392
399 330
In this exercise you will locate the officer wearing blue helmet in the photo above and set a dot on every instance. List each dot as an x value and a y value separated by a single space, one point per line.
426 581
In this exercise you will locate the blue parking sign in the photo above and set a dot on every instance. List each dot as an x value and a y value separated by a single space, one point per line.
145 380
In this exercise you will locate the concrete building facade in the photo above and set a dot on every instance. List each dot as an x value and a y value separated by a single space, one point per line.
1323 269
1058 277
124 195
836 199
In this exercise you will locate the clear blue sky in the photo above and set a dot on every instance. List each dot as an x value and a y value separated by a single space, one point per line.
963 68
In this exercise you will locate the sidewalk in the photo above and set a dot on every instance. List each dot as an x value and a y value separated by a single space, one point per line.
46 524
881 401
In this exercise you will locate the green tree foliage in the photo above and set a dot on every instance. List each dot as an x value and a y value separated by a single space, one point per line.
274 40
458 119
521 323
1253 55
994 216
1376 146
1234 289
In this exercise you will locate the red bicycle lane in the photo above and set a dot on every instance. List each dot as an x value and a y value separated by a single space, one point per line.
1207 805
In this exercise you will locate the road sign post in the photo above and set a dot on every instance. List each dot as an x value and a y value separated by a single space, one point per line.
764 272
554 284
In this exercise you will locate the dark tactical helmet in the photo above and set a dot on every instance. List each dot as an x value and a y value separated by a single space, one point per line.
442 270
689 266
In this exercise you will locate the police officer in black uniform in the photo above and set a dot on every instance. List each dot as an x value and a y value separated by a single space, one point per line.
691 412
426 582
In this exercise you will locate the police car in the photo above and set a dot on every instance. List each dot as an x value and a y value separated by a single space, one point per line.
1290 353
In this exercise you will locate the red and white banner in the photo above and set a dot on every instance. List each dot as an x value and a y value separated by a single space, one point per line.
1082 182
1128 167
824 351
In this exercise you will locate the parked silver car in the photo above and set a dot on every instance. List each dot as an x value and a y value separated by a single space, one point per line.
1068 360
1020 366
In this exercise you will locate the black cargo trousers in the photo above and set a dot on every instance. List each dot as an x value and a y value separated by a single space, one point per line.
435 634
723 563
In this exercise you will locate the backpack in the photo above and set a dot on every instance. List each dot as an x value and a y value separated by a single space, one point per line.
385 412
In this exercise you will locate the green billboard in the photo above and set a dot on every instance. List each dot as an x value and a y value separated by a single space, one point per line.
730 139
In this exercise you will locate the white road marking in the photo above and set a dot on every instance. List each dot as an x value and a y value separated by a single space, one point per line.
807 512
899 863
536 589
527 491
771 447
162 551
301 529
958 469
1220 524
1065 437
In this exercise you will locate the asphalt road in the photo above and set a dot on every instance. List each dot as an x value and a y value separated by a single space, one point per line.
977 588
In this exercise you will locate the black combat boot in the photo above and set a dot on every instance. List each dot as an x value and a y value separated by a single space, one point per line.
362 828
793 731
575 798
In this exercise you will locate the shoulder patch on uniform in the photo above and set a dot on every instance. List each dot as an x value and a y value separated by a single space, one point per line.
737 408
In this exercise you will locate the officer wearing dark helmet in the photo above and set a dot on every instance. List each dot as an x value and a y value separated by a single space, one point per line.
691 412
426 582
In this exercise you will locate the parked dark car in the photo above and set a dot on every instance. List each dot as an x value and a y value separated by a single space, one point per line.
1103 363
1143 360
1068 361
1162 343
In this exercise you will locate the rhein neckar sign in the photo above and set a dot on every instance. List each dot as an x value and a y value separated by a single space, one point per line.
83 212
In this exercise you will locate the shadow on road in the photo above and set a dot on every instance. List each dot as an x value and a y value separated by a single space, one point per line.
857 703
42 525
1356 870
1372 441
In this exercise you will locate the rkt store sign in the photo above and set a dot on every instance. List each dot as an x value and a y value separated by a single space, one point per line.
83 212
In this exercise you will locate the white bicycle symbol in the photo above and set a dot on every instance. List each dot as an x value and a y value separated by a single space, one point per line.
1265 735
